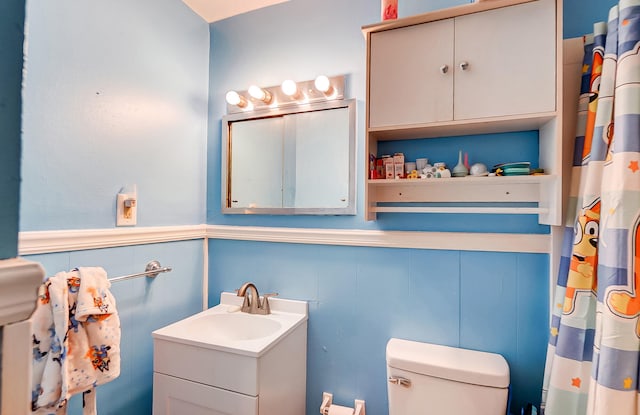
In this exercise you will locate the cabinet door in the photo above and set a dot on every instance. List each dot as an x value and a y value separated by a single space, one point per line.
175 396
511 59
406 83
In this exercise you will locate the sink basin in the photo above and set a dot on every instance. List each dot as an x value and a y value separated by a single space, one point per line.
224 327
236 326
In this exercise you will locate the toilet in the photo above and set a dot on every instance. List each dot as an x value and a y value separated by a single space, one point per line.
431 379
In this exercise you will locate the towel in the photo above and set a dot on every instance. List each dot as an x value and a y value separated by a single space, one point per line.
76 340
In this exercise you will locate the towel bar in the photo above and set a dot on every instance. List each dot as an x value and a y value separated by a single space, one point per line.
152 270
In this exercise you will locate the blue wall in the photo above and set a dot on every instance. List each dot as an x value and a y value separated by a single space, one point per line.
360 297
116 93
11 39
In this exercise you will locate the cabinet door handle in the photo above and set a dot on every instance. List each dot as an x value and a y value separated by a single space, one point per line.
464 65
397 380
444 69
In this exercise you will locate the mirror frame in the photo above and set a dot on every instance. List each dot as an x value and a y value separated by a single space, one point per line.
228 119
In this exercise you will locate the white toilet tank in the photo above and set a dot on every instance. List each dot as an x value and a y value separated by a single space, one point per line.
440 380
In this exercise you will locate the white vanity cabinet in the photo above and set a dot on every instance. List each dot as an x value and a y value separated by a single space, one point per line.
225 362
485 67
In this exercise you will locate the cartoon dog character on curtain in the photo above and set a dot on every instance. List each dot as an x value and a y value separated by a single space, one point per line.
582 278
625 302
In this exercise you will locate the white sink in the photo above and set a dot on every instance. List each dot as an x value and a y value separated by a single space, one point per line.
225 361
234 327
224 327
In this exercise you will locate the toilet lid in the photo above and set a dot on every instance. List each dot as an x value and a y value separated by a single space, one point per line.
460 365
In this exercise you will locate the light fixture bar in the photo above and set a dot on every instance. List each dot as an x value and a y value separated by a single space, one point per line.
263 98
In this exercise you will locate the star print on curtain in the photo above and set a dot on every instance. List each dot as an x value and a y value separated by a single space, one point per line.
594 341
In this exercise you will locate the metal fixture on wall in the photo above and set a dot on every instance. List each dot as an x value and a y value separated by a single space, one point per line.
256 98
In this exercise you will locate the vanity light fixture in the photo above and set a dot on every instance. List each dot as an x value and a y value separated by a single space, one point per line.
323 85
290 92
260 94
233 98
290 88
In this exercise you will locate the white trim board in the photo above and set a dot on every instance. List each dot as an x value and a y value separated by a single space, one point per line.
457 241
40 242
43 242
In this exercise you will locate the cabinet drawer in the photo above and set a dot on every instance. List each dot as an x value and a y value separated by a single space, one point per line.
211 367
175 396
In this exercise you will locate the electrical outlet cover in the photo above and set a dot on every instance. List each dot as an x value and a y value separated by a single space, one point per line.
126 216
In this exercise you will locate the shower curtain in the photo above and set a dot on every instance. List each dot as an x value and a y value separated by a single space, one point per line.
594 340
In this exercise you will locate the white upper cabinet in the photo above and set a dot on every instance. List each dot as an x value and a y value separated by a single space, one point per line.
510 61
480 68
493 63
411 79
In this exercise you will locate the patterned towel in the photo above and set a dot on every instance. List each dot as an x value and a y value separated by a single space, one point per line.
76 340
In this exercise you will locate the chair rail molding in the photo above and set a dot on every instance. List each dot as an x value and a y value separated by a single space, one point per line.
41 242
455 241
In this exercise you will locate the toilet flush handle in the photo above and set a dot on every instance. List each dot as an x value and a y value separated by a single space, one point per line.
397 380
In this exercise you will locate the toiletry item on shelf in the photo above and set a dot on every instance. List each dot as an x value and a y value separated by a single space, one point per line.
460 170
398 165
479 169
443 173
413 174
410 166
521 168
429 172
421 163
387 162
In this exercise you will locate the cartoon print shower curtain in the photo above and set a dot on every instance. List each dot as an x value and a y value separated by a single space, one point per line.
594 342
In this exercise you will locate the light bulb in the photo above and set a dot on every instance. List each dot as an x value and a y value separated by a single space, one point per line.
322 84
289 88
233 98
260 94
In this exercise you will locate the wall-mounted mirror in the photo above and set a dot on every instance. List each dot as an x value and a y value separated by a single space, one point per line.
290 161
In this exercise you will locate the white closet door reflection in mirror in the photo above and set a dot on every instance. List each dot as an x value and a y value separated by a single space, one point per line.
296 160
256 163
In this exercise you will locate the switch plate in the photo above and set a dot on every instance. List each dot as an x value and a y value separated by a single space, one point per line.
126 209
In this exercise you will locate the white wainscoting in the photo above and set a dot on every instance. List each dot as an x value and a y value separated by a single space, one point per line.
44 242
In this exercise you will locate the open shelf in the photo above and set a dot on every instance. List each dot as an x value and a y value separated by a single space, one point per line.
514 191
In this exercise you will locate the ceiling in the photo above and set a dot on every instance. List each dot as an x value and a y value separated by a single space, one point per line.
212 10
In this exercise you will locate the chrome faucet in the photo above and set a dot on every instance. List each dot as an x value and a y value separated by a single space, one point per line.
252 303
